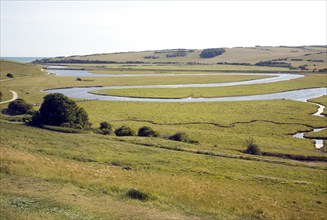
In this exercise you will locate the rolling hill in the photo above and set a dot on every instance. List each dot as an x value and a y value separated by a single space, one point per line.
304 57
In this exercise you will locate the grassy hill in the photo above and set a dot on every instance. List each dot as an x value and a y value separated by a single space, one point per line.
18 69
313 57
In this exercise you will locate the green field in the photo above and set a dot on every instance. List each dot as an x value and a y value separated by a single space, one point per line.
18 69
55 175
321 100
309 81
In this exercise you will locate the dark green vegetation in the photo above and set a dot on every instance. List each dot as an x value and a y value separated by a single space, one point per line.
136 194
124 131
9 75
59 110
213 52
66 173
251 147
146 131
183 137
105 128
19 107
275 64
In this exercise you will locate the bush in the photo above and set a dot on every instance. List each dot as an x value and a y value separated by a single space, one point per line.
212 52
137 194
176 54
105 128
272 63
58 109
9 75
252 148
180 136
19 107
124 131
147 132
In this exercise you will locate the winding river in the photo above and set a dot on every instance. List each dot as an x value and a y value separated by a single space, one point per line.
297 95
84 93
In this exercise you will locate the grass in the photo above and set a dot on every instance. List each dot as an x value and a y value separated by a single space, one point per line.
148 68
232 55
269 122
322 101
319 135
46 174
6 94
34 94
181 184
17 69
309 81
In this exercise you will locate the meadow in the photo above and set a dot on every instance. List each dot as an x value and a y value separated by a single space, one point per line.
77 176
309 81
48 174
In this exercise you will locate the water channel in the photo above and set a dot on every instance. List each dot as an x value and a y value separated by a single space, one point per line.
297 95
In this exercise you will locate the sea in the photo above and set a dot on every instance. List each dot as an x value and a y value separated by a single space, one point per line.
22 59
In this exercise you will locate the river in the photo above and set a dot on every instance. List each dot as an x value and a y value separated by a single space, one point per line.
297 95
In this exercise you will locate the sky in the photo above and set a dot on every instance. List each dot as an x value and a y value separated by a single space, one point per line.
63 28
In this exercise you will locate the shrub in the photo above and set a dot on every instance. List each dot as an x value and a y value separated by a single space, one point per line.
151 57
19 107
9 75
137 194
58 109
78 79
105 128
181 136
124 131
274 64
251 147
212 52
176 54
147 132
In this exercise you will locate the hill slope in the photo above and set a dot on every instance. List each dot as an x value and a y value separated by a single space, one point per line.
312 56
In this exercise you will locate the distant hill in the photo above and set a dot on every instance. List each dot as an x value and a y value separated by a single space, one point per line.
303 57
17 69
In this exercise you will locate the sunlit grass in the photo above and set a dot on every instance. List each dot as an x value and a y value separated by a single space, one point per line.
309 81
179 181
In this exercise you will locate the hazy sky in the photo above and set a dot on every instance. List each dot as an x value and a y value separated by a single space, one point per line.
56 28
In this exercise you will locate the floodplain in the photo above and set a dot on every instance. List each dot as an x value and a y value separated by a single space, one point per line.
47 174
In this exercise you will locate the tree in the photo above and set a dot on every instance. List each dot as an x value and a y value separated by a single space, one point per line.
212 52
146 131
58 109
124 131
19 107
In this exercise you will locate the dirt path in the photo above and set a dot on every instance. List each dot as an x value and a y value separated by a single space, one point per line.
14 97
